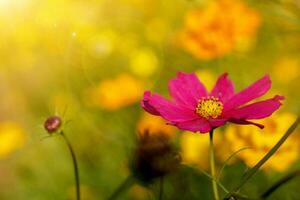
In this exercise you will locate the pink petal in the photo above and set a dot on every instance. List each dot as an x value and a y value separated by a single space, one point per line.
223 89
256 90
217 122
158 105
196 125
256 110
186 89
146 105
245 122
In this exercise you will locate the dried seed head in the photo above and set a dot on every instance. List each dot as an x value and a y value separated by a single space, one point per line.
154 157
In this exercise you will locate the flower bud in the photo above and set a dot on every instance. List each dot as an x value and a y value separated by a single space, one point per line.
52 124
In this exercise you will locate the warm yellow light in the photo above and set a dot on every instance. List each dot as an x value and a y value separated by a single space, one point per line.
7 6
5 3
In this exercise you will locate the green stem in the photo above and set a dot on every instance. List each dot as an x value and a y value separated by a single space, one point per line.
128 182
279 183
236 196
218 182
227 161
212 166
161 188
75 165
254 170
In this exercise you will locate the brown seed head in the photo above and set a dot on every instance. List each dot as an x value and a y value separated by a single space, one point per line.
154 157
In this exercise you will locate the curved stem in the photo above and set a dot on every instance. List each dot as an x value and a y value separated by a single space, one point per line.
75 165
227 161
212 166
128 182
161 188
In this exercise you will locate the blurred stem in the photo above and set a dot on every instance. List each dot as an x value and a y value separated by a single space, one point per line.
127 183
279 183
227 161
161 188
212 165
253 171
236 196
75 165
218 182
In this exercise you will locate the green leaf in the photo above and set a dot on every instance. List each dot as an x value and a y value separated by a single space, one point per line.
279 183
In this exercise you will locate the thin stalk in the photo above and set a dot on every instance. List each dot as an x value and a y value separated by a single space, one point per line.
75 165
127 183
218 182
240 197
254 170
212 166
161 188
279 183
227 161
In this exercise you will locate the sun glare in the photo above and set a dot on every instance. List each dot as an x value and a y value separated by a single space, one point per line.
6 6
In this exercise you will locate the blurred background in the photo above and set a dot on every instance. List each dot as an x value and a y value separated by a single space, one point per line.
89 62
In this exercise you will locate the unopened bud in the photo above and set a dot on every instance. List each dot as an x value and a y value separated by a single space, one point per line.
52 124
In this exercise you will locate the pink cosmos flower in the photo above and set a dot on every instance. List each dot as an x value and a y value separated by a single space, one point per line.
195 109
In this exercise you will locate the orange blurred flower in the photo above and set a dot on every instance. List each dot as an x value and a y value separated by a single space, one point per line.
155 125
112 94
138 192
219 28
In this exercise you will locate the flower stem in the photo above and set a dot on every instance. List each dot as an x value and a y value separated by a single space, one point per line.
212 166
161 188
75 165
127 183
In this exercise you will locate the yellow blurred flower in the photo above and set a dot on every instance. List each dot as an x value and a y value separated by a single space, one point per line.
112 94
195 148
12 138
155 125
289 66
219 28
143 62
261 141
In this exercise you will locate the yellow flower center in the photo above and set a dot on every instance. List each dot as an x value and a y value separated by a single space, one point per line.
209 107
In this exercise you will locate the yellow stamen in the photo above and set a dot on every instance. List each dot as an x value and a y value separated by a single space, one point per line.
209 107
